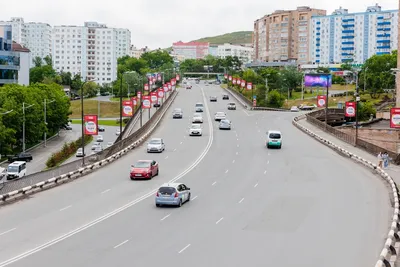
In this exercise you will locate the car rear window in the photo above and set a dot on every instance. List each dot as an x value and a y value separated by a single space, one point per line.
275 135
199 105
166 190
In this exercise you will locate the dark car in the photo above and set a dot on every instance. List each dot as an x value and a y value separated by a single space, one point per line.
157 105
21 157
66 127
102 129
225 97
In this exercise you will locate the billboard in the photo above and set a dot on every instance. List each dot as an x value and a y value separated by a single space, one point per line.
153 97
395 118
165 87
318 80
234 80
243 84
146 103
134 101
127 109
350 109
321 101
146 87
91 125
160 92
249 86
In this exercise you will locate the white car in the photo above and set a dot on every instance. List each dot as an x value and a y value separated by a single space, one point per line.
79 152
199 107
155 145
195 129
117 132
219 116
294 109
197 118
95 145
109 144
99 138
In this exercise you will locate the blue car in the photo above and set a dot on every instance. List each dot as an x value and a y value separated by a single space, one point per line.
172 194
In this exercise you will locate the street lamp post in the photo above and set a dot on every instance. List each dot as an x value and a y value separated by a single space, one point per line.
23 125
357 101
120 103
83 124
45 120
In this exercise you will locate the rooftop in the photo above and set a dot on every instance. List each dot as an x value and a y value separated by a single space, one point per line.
19 48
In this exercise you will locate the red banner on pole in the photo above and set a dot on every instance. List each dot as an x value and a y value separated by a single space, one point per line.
230 78
146 87
238 81
226 76
173 81
146 103
234 80
91 125
139 95
153 97
159 77
160 92
254 102
169 86
165 87
134 101
178 77
395 118
127 109
249 86
321 101
350 109
243 84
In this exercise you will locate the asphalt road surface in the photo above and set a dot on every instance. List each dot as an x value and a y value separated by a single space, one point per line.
303 205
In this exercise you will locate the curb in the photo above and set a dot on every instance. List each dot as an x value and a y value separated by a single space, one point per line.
63 178
388 256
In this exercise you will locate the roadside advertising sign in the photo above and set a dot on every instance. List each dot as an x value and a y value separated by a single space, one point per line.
254 101
146 103
238 81
226 76
321 101
243 84
178 77
160 92
127 109
146 87
234 80
165 87
169 86
350 109
134 101
159 77
249 86
395 118
173 81
139 95
153 97
230 78
91 124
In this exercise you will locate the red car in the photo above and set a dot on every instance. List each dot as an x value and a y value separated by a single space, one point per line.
144 169
188 87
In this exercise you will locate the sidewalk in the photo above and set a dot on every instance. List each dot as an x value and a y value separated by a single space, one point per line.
392 170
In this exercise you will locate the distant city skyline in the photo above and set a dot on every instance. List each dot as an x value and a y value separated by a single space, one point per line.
160 23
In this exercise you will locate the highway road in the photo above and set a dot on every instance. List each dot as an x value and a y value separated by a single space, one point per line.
303 205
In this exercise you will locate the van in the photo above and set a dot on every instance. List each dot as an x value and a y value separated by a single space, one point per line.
274 139
17 169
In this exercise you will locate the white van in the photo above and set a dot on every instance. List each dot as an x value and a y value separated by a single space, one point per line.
274 139
17 169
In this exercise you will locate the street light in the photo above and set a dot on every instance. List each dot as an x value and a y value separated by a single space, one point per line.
45 119
357 101
23 125
83 124
120 98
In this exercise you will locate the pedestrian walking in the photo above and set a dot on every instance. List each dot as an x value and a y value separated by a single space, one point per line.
380 160
385 158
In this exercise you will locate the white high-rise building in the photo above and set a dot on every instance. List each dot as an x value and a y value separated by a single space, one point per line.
244 53
343 37
123 42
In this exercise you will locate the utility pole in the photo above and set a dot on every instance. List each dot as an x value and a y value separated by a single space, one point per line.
83 124
45 120
357 101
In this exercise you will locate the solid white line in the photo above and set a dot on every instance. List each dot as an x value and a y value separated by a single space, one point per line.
226 171
194 198
105 191
166 157
265 172
174 149
181 143
126 241
6 232
256 122
66 208
237 153
237 139
255 185
214 183
233 161
241 200
182 250
122 208
165 217
269 154
219 220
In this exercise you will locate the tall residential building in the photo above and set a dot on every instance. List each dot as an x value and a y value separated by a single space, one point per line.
284 35
243 52
91 50
343 37
191 50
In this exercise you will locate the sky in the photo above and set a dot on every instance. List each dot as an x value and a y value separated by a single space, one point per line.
159 23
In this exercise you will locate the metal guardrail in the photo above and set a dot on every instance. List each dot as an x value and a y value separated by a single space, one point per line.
38 177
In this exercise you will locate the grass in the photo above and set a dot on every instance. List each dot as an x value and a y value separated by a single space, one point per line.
102 122
107 109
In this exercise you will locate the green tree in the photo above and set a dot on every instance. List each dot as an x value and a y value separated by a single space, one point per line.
48 60
261 92
346 66
37 74
90 89
290 78
323 70
156 59
66 78
37 61
275 99
271 75
365 110
76 82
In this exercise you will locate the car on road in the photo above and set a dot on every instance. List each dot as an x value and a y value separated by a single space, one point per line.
231 106
177 113
117 132
102 129
225 97
195 130
109 144
294 109
199 107
219 116
306 107
98 149
155 145
96 144
79 153
175 194
21 157
188 86
99 138
274 139
213 99
197 118
17 169
66 127
225 124
144 169
157 104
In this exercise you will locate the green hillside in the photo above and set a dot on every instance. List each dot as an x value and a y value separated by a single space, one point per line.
243 37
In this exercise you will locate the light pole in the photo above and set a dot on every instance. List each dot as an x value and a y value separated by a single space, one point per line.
45 120
357 101
23 125
83 124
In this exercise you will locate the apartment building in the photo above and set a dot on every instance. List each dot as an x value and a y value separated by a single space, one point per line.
243 52
191 50
284 35
353 37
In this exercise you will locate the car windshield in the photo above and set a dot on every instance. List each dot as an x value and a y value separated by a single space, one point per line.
80 150
199 105
177 110
142 164
232 104
224 121
195 126
166 190
275 135
155 142
12 169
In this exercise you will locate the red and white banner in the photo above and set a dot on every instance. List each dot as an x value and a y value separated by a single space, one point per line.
165 87
249 86
169 86
146 87
234 80
230 78
173 82
154 79
127 109
243 84
395 118
178 77
254 102
238 81
146 103
159 77
91 125
139 95
134 101
321 101
160 92
350 109
226 76
153 97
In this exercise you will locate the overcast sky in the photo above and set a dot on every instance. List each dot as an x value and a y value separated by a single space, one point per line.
158 23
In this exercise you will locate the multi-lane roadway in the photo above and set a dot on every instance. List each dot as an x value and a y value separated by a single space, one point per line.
303 205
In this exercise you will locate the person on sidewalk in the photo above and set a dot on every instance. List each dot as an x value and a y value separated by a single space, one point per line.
385 160
380 160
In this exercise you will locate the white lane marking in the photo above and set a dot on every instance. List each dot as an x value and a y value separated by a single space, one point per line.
237 153
269 154
165 217
237 145
268 162
174 149
246 112
219 220
233 161
182 250
120 244
184 136
181 143
226 171
105 191
6 232
166 157
194 198
256 185
237 139
265 172
241 200
214 183
122 208
259 131
66 208
256 122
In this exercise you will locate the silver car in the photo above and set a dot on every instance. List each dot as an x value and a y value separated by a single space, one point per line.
172 194
95 145
155 145
199 107
79 152
197 118
225 124
177 113
195 129
219 116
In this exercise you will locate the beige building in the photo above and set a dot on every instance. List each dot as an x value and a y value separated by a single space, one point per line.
284 35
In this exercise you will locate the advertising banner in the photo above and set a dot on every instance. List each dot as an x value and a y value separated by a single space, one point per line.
350 109
226 76
178 77
165 87
160 92
173 82
134 101
395 118
254 101
234 80
153 97
146 103
159 77
169 86
91 127
139 95
318 80
243 84
249 86
321 101
127 109
146 87
230 78
238 81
